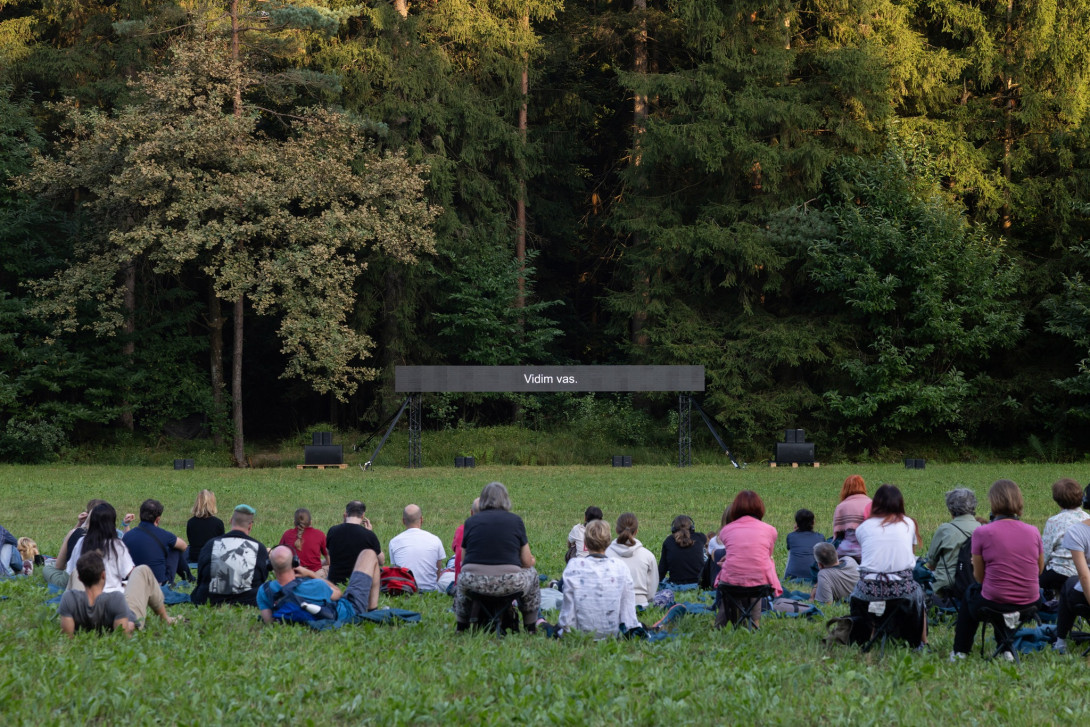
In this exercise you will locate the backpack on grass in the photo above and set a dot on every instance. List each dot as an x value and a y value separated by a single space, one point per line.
289 607
395 580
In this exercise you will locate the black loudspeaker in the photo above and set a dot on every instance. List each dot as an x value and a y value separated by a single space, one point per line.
791 453
622 460
321 439
789 436
465 462
183 464
323 454
915 464
800 436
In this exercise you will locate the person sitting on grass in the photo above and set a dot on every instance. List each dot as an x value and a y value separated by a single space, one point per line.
346 540
836 577
942 556
1058 563
202 526
888 540
748 562
1008 557
1074 598
308 543
683 553
158 549
800 547
853 509
92 609
640 561
456 544
496 560
418 550
360 596
232 567
576 547
11 562
598 591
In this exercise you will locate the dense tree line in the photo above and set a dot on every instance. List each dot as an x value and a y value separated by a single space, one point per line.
865 217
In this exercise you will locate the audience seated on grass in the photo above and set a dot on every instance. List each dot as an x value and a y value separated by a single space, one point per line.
1074 598
307 543
1058 564
598 593
749 543
836 577
496 560
138 583
203 525
232 567
683 553
296 595
346 541
800 547
576 547
942 556
418 550
640 561
158 549
1008 558
888 539
853 509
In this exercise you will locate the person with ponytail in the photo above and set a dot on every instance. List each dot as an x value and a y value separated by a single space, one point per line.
307 543
683 553
640 561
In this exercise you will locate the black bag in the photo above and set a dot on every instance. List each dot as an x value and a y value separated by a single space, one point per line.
571 551
963 575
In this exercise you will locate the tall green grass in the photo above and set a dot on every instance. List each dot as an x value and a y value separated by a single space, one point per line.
223 667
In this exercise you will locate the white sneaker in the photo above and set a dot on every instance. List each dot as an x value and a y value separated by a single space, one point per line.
1007 656
956 656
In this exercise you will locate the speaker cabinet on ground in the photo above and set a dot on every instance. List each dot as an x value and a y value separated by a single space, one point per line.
323 454
622 460
183 464
794 453
320 439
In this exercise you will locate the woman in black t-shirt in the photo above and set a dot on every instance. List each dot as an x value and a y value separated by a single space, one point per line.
683 553
496 559
203 526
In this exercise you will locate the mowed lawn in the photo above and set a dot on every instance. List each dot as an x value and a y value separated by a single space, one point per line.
223 667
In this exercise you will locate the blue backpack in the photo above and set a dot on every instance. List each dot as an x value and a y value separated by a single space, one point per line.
289 607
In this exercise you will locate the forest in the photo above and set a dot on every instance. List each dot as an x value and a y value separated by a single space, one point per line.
868 218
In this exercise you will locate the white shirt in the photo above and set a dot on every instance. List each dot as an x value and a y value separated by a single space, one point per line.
118 565
886 548
598 597
419 551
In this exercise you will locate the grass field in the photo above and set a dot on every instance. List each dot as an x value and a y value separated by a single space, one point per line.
223 667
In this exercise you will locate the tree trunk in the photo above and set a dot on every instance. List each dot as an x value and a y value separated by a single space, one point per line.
639 123
215 345
238 449
402 7
1008 132
128 330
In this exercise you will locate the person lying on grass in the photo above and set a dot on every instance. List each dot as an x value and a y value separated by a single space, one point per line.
360 596
598 591
95 609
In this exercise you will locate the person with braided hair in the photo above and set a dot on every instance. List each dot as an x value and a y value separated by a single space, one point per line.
640 561
307 543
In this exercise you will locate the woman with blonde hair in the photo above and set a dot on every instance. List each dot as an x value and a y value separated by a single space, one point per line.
307 543
203 526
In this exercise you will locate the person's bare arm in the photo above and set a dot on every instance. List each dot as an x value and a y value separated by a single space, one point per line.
978 568
179 544
124 624
1079 559
61 561
527 558
266 615
68 626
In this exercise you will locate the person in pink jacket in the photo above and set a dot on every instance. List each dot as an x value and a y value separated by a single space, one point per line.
749 543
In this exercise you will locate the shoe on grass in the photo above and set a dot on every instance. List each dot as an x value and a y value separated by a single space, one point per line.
1059 648
956 656
1007 656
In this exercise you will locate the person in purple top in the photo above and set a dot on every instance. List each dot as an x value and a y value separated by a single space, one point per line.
1008 557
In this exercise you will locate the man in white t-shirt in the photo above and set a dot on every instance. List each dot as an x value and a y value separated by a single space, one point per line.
418 550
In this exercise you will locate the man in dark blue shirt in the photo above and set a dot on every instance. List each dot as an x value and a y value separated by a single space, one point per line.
152 546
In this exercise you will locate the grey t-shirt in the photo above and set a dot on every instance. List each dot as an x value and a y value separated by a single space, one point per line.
838 582
107 609
1077 539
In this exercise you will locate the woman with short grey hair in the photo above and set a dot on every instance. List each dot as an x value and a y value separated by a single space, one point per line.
496 559
942 556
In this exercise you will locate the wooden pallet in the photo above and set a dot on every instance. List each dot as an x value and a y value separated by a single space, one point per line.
794 465
321 466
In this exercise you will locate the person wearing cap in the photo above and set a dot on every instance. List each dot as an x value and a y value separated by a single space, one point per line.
233 566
